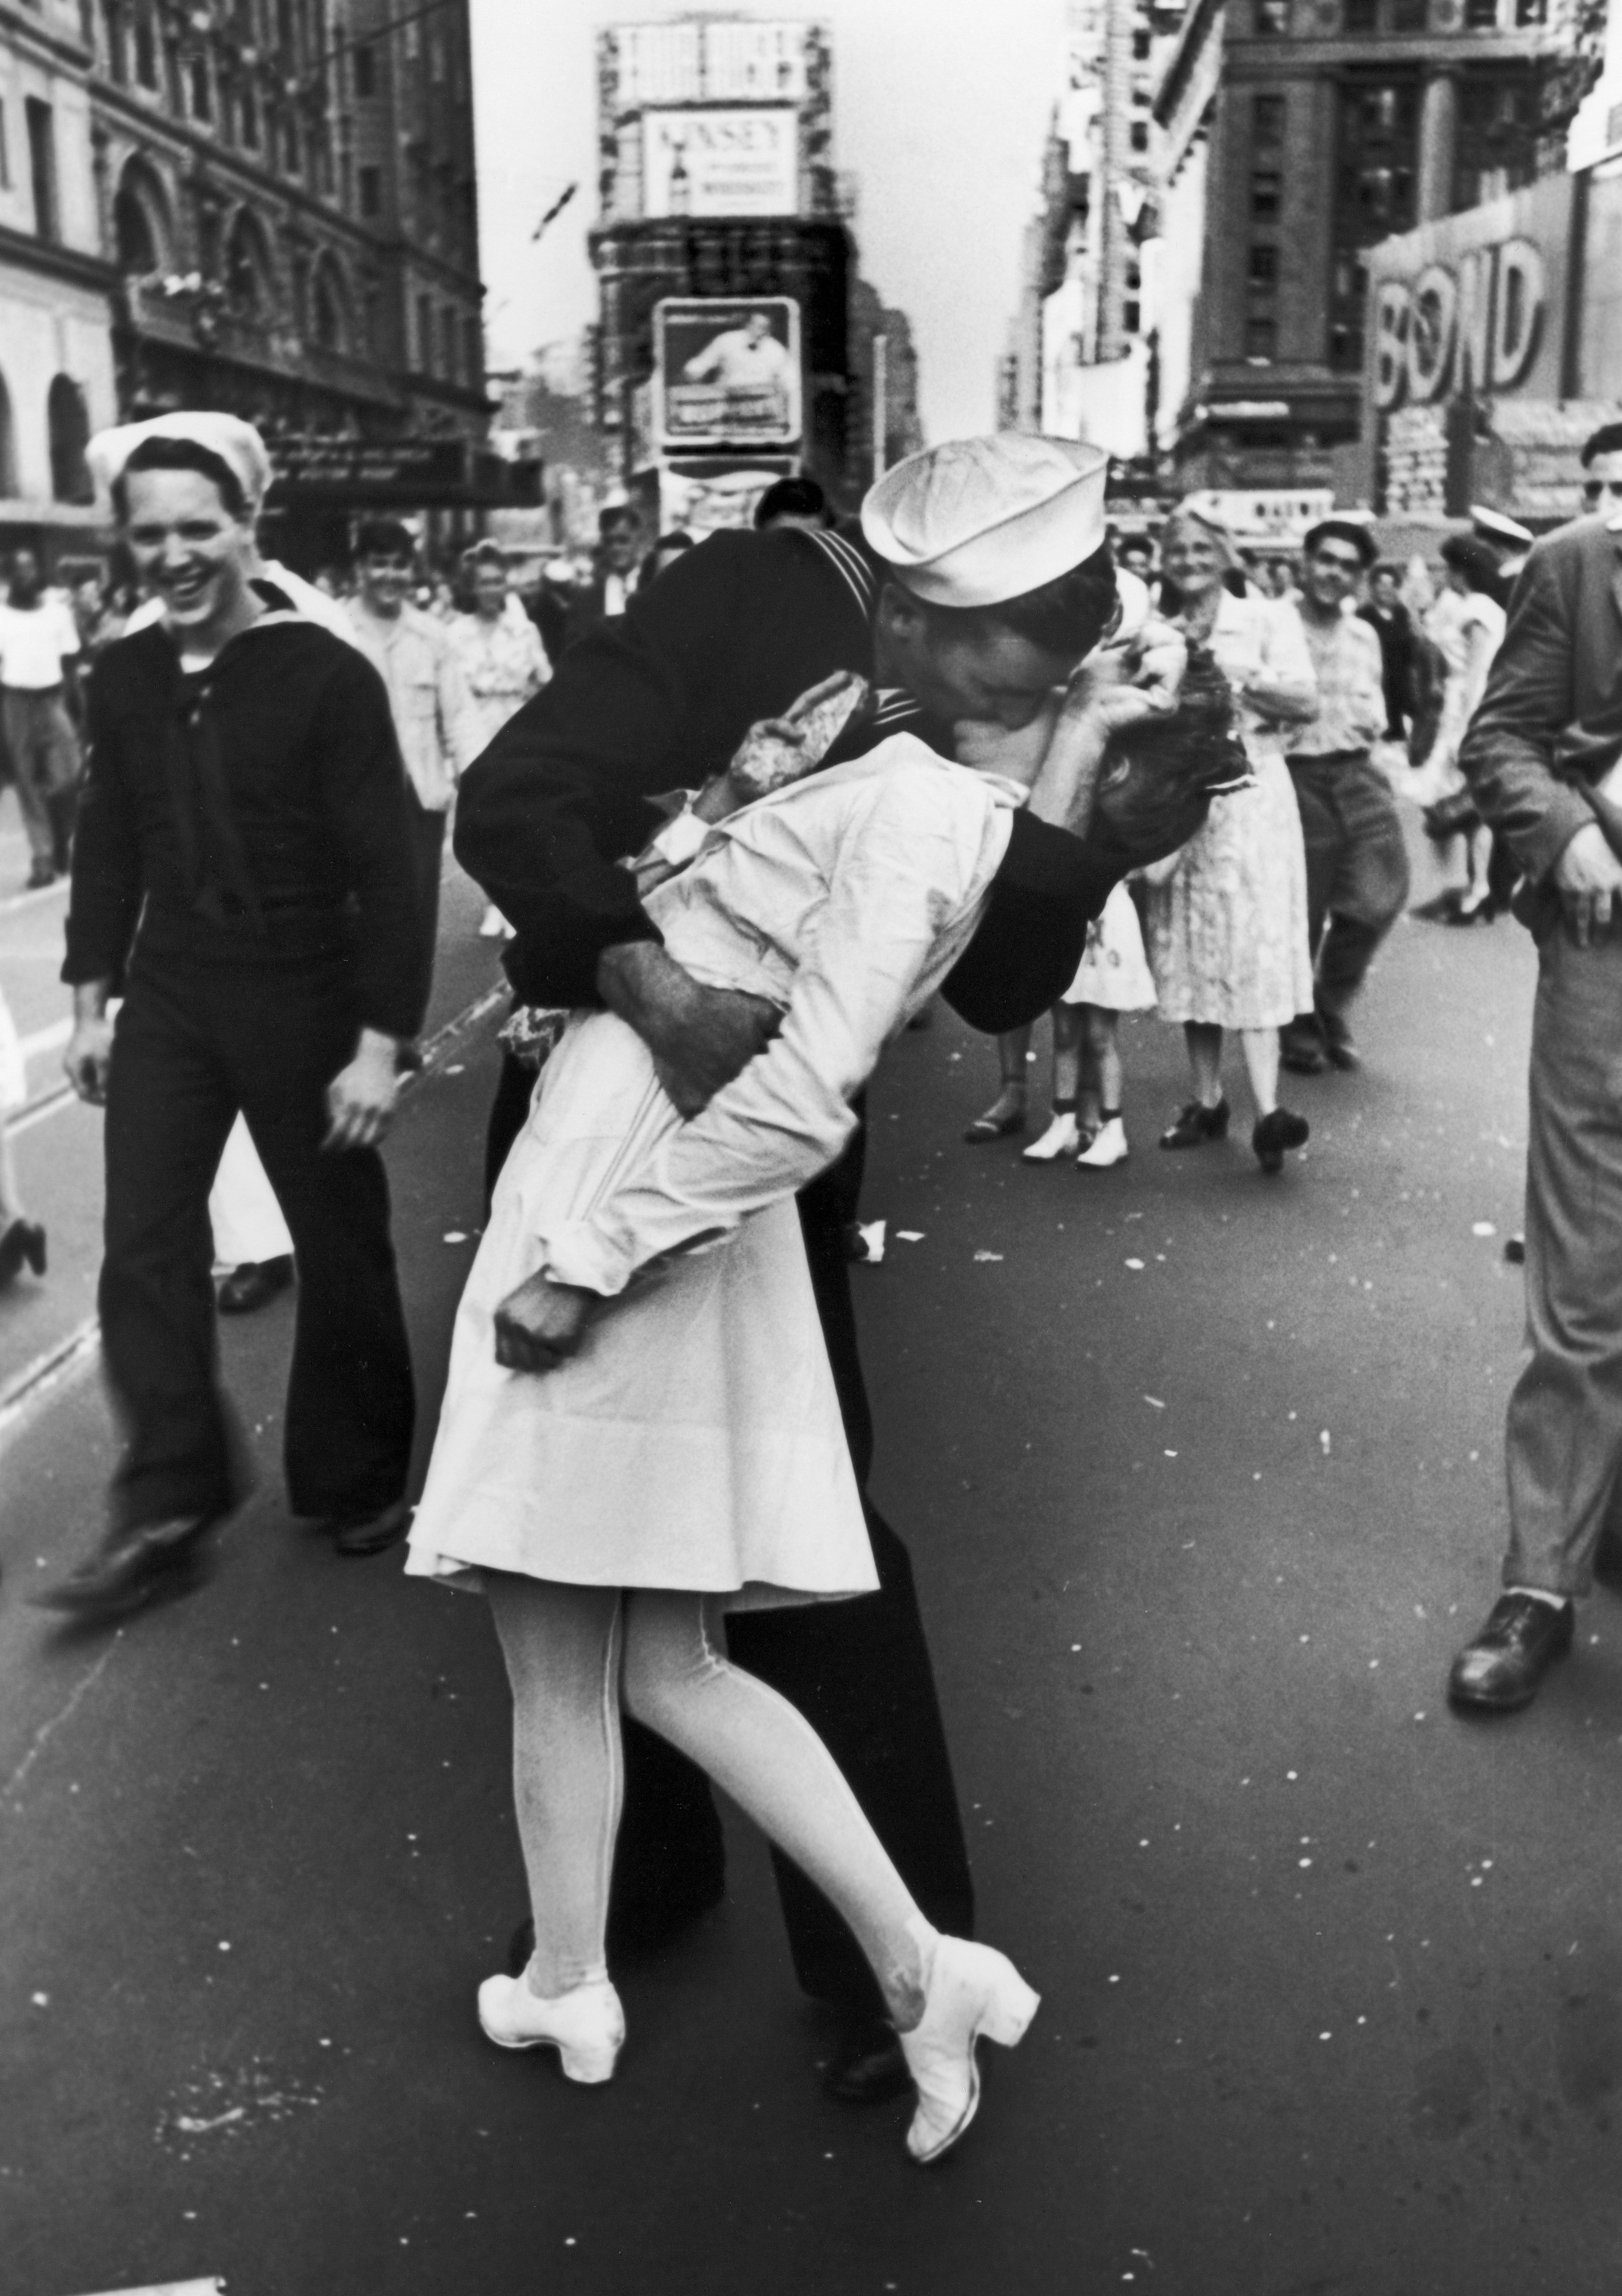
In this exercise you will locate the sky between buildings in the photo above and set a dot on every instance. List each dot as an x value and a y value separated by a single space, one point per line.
940 108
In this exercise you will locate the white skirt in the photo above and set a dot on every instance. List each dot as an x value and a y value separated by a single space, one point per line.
1114 972
695 1440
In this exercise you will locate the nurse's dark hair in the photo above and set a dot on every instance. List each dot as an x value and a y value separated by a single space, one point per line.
1067 616
180 455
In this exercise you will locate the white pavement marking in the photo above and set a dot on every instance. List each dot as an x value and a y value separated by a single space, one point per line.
49 1104
59 1366
46 1730
31 901
213 2286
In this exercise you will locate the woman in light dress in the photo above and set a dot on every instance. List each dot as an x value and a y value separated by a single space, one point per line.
669 1447
503 663
1227 917
21 1239
1467 624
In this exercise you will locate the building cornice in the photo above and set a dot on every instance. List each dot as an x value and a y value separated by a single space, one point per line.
30 254
1198 26
23 24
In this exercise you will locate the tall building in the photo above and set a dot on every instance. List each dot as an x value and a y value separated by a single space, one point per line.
1310 130
1079 361
286 193
735 338
56 375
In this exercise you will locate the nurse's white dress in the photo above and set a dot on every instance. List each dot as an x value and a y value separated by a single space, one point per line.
695 1440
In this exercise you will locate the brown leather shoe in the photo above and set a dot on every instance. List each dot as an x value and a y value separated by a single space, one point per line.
868 2065
252 1284
134 1568
370 1534
1502 1669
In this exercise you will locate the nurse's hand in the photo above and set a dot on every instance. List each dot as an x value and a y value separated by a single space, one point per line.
700 1037
539 1324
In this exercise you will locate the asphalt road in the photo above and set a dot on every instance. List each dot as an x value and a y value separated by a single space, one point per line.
1202 1478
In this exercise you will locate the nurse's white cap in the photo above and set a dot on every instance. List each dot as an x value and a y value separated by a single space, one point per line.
237 444
980 521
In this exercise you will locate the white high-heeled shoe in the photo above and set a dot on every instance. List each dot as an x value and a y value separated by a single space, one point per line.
586 2026
1108 1146
1062 1137
972 1990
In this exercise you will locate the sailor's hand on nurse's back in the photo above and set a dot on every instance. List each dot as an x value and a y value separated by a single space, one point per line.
539 1324
700 1037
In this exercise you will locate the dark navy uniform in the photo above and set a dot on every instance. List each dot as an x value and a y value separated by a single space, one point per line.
243 875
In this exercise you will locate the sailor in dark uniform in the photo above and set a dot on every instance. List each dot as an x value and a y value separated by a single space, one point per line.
980 581
243 878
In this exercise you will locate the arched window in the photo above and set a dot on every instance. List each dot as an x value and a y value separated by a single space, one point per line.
139 225
8 460
330 309
248 273
68 423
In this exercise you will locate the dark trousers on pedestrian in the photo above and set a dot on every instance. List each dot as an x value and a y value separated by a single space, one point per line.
1563 1437
1357 868
859 1671
428 842
193 1045
45 754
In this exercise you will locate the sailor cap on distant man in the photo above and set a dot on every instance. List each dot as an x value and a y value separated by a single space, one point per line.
1492 526
236 443
979 521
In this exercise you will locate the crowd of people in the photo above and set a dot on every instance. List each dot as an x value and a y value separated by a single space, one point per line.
929 754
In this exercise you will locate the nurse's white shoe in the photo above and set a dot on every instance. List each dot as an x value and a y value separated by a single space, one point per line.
585 2027
1108 1146
971 1990
1062 1137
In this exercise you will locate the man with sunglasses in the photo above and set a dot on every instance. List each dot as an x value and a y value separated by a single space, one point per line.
1356 865
1539 757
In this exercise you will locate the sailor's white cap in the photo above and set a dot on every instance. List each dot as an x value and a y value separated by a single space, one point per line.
1492 526
980 521
237 444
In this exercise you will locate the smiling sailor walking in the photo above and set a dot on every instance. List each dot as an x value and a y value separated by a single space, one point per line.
243 876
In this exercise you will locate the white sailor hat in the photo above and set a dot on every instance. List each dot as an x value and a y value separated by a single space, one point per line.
980 521
1492 526
237 444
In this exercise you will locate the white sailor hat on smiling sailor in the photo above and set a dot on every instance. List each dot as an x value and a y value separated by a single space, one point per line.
237 444
979 521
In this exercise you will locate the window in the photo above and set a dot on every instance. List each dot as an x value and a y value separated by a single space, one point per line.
1261 336
1140 46
373 322
364 72
328 314
424 335
1528 13
146 51
1139 136
1132 315
68 423
1409 15
1272 19
448 345
1361 15
42 166
251 117
1264 192
1263 266
1377 149
134 238
1481 15
371 191
472 352
199 95
292 155
1269 122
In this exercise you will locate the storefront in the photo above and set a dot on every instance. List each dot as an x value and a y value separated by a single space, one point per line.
323 485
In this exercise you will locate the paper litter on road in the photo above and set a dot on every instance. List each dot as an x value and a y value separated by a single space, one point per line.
214 2286
1155 1399
1135 1263
1323 1441
1482 1227
872 1234
456 1235
910 1235
988 1255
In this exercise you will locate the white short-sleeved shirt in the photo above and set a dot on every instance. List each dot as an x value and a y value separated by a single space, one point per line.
35 641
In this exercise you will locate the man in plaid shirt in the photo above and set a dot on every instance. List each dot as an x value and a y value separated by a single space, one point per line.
1356 864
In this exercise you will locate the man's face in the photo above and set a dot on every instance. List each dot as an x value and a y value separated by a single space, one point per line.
962 666
188 547
619 549
490 590
757 326
1385 590
25 577
385 581
1332 574
1138 559
1602 484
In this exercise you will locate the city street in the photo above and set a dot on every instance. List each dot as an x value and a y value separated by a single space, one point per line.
1202 1478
